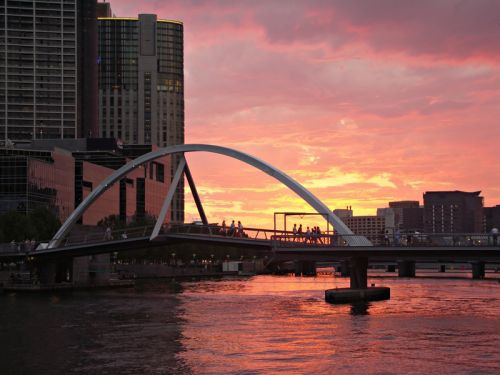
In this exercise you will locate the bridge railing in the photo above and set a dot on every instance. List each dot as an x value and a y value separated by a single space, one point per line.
108 234
277 237
213 230
331 239
405 239
218 231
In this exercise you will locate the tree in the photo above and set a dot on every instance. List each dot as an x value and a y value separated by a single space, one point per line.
40 224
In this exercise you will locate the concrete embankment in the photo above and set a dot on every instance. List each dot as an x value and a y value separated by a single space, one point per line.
36 288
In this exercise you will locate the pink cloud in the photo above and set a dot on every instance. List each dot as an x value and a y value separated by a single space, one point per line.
398 96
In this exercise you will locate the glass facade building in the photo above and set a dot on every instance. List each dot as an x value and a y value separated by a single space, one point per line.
48 69
141 84
60 176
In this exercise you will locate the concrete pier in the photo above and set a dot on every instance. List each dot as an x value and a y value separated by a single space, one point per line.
345 270
477 270
358 291
391 268
348 295
359 272
305 268
406 268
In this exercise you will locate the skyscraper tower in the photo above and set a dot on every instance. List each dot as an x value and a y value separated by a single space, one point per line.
141 84
48 70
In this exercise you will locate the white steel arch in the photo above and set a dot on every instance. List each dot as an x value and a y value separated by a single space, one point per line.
282 177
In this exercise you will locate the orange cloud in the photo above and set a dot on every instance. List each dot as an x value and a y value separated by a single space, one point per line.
361 102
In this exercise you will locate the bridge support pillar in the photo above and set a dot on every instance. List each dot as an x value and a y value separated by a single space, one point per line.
359 272
345 270
305 268
477 270
406 268
47 272
391 268
358 290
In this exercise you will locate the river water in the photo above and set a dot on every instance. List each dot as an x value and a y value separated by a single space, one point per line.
256 325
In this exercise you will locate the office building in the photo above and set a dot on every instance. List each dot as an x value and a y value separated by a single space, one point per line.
59 174
389 217
453 212
492 218
104 10
408 216
141 92
141 84
48 69
372 227
343 213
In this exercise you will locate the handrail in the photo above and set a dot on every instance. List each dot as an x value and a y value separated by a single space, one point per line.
279 238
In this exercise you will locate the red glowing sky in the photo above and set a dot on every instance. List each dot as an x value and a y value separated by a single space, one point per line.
362 102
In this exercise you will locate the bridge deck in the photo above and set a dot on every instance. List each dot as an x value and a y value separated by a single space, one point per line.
278 250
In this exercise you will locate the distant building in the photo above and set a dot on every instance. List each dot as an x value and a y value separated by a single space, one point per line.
389 216
141 84
59 174
343 213
372 227
404 204
453 212
49 70
492 218
408 216
104 10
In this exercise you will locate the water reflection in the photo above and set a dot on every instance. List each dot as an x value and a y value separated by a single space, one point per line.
255 325
360 308
121 331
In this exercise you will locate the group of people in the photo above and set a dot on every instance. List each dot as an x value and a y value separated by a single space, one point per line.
309 236
23 246
233 230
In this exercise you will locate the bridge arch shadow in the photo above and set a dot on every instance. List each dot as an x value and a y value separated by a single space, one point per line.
306 195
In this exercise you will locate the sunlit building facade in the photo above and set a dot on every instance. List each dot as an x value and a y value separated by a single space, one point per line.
141 84
60 175
372 227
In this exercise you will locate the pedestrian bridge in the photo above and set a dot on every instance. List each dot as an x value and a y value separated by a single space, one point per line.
183 170
277 246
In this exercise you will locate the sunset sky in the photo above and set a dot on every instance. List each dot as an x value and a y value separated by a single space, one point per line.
361 102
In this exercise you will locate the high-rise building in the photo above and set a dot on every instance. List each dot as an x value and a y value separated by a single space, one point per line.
141 84
408 216
492 218
141 80
104 10
453 212
48 69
